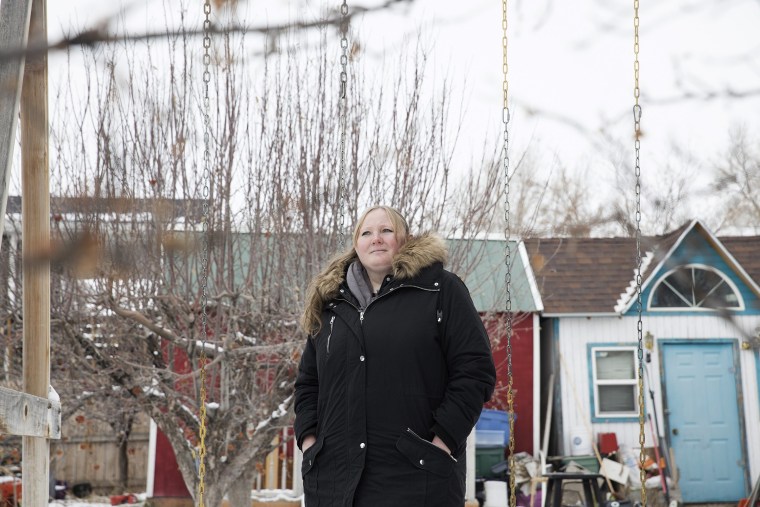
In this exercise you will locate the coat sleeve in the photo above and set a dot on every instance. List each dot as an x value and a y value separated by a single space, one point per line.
471 371
307 393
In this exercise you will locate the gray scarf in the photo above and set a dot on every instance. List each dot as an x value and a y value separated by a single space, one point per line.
359 284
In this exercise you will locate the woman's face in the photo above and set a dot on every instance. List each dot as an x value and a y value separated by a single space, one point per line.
376 244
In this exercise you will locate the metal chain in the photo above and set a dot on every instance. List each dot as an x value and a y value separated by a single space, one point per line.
343 121
205 254
639 306
508 255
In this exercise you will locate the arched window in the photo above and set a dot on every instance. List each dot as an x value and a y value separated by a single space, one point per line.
695 287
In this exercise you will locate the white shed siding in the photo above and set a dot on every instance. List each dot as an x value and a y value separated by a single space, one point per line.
576 333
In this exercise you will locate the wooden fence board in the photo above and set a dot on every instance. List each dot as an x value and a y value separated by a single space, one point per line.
28 415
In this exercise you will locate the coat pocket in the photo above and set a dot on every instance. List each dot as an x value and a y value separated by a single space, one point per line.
310 456
425 455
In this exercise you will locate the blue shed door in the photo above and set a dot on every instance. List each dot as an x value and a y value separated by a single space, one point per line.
703 420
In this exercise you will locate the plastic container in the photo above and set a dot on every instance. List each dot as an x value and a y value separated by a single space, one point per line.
580 441
590 462
607 443
485 458
497 494
490 438
493 420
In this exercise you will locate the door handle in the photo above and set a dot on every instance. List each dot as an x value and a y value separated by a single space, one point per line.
675 431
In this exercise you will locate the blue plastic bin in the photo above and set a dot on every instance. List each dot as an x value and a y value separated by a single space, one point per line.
489 438
494 420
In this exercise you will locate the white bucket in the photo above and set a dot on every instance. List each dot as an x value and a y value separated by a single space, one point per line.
496 494
580 441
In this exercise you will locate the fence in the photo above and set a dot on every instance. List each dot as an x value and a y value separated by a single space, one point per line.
89 452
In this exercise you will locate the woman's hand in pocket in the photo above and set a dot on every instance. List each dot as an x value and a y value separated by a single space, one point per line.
436 442
308 441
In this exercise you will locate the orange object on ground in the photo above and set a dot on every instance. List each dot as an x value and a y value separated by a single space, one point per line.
122 499
10 491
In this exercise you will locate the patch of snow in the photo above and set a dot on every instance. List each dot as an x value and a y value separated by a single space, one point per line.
630 291
281 411
275 495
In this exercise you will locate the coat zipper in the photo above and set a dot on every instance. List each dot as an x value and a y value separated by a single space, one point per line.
415 435
363 311
332 320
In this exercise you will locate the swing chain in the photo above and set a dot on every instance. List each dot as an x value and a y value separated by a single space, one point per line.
639 305
343 121
508 254
205 254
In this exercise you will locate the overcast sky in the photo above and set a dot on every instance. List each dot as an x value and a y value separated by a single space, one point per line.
571 68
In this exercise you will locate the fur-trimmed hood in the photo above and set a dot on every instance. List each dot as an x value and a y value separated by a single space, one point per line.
418 253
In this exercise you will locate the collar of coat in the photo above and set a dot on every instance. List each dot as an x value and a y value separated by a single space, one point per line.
418 253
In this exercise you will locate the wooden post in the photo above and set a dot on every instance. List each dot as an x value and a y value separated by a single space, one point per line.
35 191
271 466
14 30
470 474
297 479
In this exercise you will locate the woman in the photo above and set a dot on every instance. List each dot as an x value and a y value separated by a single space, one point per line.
394 373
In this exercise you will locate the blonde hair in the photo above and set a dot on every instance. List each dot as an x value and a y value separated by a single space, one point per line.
398 222
311 318
316 295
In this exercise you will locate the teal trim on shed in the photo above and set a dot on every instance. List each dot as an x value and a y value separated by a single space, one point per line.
592 399
757 369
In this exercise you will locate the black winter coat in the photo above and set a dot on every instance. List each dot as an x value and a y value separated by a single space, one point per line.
376 384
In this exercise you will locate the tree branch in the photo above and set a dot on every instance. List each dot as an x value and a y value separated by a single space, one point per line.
98 36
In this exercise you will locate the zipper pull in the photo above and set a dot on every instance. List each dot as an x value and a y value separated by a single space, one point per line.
361 316
332 319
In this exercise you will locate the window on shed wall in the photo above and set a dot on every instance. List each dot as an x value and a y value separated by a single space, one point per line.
614 379
695 287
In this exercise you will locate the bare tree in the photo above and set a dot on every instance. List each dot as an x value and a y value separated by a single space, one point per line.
558 204
737 183
127 307
105 31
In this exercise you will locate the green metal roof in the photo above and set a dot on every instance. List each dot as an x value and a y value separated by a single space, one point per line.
481 264
279 269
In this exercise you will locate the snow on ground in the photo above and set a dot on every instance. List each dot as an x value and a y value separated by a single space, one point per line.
272 495
79 502
95 501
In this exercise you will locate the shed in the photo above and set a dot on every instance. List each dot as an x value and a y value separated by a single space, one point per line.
700 338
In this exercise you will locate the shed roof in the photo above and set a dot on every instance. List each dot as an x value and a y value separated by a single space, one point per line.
481 264
597 275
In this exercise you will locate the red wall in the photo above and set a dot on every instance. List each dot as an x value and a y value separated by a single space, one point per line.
167 479
522 373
